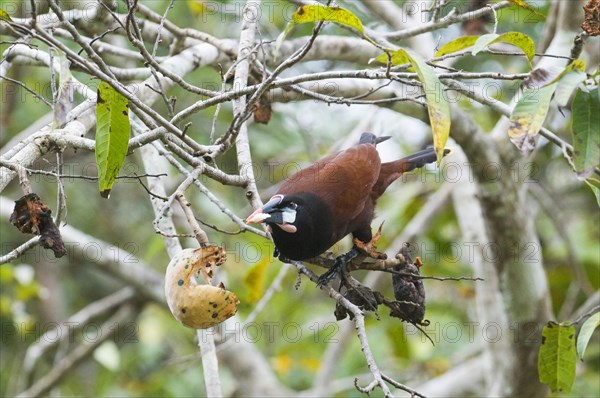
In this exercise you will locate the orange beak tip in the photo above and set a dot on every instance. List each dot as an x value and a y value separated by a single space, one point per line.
257 217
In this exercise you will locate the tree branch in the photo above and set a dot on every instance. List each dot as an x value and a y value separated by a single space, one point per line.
60 369
75 322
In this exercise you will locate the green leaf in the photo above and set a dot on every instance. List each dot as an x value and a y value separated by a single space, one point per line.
317 12
517 39
399 57
586 132
524 5
585 333
568 80
456 45
482 42
528 116
557 358
64 98
520 40
4 15
437 105
112 135
594 185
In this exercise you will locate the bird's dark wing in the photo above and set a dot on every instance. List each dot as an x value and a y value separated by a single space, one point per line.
343 180
391 171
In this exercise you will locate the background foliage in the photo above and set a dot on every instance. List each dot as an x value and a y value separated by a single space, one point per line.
153 355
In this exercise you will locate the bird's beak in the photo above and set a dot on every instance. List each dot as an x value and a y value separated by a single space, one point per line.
381 139
262 214
257 217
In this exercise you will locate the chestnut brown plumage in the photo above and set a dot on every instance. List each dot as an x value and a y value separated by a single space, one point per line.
336 196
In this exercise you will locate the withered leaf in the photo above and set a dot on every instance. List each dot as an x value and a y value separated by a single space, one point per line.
409 293
540 77
591 24
31 216
262 110
361 296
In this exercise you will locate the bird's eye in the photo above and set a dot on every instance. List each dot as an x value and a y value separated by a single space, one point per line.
293 205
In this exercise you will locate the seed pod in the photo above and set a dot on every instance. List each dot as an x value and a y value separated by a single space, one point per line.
410 293
198 306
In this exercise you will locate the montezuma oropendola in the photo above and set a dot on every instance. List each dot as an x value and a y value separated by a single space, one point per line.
318 206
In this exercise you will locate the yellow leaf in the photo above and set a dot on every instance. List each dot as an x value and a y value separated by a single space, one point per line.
520 40
4 15
255 280
196 7
312 364
528 116
399 57
282 363
524 5
456 45
317 12
437 105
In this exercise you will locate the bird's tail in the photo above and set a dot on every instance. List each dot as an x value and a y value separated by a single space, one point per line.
393 170
417 160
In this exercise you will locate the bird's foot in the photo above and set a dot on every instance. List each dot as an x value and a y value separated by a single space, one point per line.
370 248
339 266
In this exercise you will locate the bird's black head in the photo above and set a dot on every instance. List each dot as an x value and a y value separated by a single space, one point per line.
299 223
279 210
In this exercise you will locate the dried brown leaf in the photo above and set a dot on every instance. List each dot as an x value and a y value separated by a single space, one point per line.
31 216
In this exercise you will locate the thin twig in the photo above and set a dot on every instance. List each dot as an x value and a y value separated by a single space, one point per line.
166 207
587 314
21 173
491 7
214 199
198 232
36 95
227 140
448 20
161 24
437 278
402 387
19 251
222 231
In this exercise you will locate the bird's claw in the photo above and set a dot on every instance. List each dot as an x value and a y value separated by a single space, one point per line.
327 276
339 266
370 248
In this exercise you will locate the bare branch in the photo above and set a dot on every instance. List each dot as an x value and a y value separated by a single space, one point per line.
61 369
359 323
75 322
19 251
200 235
448 20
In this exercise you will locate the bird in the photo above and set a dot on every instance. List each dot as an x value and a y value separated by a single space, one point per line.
336 196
